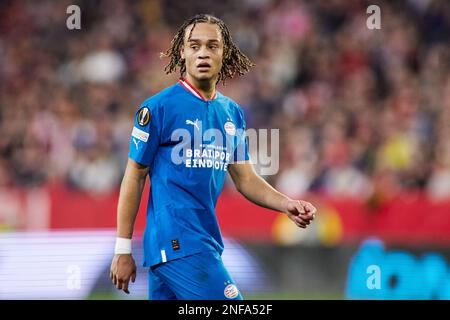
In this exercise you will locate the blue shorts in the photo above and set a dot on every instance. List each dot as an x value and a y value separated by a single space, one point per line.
201 276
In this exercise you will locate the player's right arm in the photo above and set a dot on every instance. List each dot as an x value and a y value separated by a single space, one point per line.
123 266
144 143
130 197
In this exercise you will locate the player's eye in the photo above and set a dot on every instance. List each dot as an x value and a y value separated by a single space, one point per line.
194 46
213 47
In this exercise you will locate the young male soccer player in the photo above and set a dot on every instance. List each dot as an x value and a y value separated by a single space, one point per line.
182 240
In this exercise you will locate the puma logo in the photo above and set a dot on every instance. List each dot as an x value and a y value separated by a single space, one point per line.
194 123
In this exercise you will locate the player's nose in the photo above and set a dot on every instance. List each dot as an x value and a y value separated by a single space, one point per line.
203 53
203 58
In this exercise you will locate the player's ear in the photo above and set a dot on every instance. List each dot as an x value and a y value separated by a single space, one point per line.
182 51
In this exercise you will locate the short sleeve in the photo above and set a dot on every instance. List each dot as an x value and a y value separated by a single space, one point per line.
241 151
145 136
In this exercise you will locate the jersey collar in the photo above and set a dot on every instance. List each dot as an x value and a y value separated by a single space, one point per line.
189 87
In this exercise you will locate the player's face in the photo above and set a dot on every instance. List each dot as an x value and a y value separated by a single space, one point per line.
203 51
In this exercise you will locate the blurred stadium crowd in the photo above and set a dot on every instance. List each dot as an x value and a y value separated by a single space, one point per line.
360 111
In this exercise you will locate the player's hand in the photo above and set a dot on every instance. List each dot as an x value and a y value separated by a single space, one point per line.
123 268
300 212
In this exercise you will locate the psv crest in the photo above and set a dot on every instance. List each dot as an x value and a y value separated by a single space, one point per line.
230 128
143 116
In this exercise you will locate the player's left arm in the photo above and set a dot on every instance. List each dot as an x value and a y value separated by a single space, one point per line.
258 191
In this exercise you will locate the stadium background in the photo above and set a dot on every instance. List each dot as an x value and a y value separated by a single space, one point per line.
364 119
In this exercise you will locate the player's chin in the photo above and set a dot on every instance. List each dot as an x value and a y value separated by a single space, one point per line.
205 76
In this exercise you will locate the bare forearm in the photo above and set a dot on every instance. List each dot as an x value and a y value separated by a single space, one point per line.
129 200
258 191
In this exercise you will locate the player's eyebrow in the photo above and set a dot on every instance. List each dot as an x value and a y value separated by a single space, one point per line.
199 40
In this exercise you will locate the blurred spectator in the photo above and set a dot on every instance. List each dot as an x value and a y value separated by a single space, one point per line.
361 112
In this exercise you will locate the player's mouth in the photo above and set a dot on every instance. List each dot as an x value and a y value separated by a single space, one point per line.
203 66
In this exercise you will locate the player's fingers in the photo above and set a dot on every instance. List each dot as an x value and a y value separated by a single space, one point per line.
302 220
306 217
299 207
300 223
119 284
125 286
114 280
133 276
308 206
312 210
303 225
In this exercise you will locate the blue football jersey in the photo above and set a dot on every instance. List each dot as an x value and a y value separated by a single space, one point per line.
187 142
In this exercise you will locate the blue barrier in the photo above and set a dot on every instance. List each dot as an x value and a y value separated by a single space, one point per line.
375 273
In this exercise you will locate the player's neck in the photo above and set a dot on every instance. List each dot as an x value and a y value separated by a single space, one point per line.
207 88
